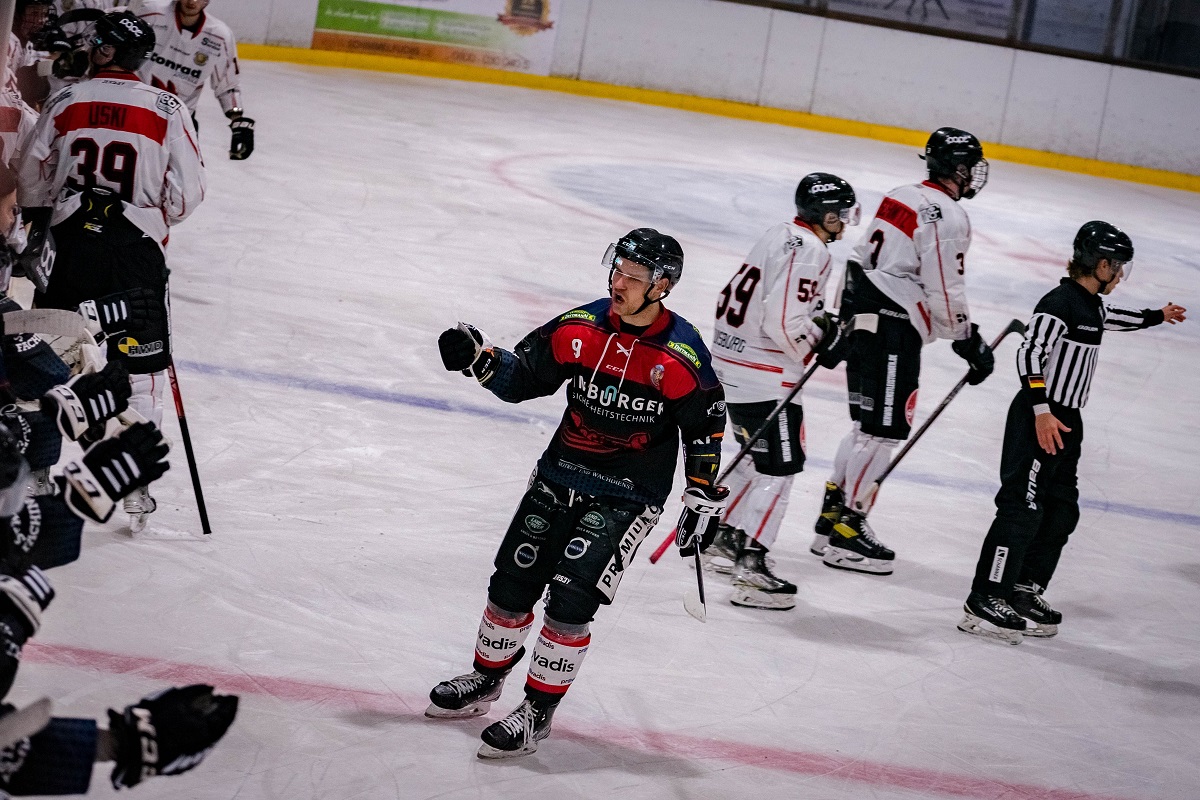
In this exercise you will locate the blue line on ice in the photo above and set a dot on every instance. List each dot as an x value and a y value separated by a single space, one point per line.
434 404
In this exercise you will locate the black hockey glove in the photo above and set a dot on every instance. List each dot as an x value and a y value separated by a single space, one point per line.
168 733
37 259
468 350
86 400
978 356
242 143
702 509
834 344
22 601
112 468
131 311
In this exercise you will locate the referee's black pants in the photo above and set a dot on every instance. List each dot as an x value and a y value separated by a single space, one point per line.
1037 507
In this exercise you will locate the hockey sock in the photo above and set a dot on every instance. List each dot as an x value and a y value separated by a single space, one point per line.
842 458
868 459
762 506
147 398
555 662
738 482
501 634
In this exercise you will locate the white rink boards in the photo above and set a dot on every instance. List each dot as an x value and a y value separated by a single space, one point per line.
358 490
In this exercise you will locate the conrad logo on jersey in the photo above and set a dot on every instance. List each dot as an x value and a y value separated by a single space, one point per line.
169 64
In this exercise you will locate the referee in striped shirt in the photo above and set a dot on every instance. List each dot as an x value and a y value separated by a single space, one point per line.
1037 506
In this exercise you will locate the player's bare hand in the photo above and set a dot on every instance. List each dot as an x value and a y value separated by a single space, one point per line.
1173 313
1049 432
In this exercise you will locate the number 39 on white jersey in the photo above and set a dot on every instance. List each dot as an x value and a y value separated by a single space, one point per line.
915 252
764 331
115 132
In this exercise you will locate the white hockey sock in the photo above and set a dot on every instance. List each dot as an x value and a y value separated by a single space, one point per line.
868 460
760 505
501 634
147 398
556 657
842 459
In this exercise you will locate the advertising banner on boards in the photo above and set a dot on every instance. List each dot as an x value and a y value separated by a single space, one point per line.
515 35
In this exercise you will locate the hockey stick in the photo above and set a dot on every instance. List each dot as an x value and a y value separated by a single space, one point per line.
694 603
1016 326
662 548
24 722
187 448
48 321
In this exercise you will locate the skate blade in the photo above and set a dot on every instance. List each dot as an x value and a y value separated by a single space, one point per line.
487 752
749 598
1040 631
718 565
466 712
137 522
978 627
852 562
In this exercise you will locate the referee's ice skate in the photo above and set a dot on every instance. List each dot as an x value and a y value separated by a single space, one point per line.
1041 620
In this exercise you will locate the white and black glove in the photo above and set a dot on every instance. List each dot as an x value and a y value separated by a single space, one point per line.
702 509
23 598
835 342
87 400
977 354
112 468
131 311
169 732
241 145
468 350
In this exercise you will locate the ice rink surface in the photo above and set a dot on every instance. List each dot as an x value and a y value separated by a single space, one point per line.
358 490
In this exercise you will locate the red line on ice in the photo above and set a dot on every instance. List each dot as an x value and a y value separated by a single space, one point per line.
678 745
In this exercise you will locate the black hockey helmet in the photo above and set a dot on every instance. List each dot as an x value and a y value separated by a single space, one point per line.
820 193
1097 240
130 36
953 153
656 251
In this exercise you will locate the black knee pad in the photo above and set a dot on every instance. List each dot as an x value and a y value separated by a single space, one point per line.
573 603
511 594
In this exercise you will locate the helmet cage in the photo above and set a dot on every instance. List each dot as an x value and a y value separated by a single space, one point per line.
972 179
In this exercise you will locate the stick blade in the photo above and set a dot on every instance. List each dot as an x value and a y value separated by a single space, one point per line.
24 722
695 606
1016 326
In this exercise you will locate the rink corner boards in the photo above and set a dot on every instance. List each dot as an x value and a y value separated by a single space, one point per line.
724 108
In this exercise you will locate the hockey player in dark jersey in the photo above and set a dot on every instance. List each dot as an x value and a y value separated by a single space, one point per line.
638 380
1037 506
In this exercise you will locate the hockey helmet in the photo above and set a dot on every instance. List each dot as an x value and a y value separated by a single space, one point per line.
1098 240
656 251
131 38
821 193
953 153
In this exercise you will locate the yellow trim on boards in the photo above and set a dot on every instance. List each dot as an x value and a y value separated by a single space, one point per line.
723 108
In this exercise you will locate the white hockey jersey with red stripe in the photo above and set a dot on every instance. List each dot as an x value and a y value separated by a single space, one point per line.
184 59
915 252
764 331
116 132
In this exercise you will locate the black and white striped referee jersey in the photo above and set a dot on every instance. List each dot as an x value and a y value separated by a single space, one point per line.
1062 343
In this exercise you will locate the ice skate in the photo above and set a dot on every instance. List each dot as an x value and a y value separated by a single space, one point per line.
831 510
992 618
723 552
853 546
468 695
139 506
1041 620
755 586
519 732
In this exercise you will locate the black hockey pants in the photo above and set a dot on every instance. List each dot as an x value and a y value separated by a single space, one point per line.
1037 507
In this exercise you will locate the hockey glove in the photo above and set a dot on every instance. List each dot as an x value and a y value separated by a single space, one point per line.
168 733
22 601
702 509
834 344
86 400
978 356
112 468
37 259
468 349
131 311
242 143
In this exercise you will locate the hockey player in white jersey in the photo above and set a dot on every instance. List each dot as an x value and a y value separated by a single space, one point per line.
770 323
905 284
192 48
110 166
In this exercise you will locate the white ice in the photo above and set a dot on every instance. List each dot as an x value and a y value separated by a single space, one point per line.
358 490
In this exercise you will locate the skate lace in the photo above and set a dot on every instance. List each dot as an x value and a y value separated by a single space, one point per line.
868 535
1001 608
465 684
1035 596
520 722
